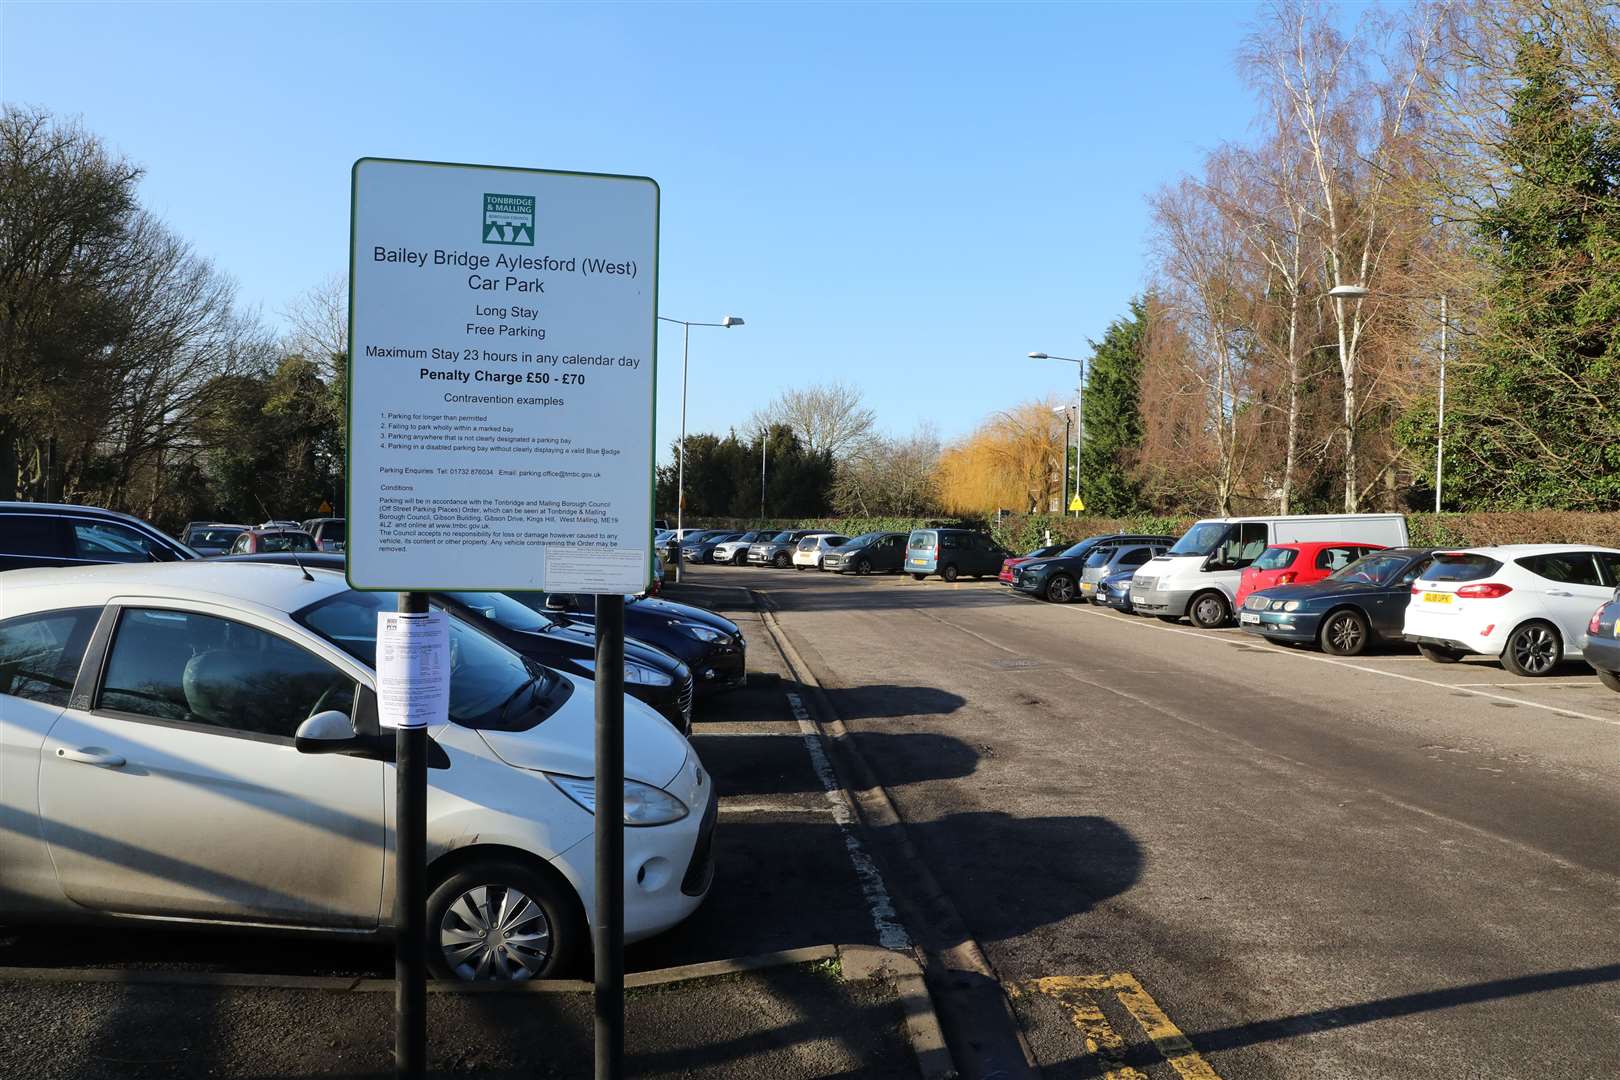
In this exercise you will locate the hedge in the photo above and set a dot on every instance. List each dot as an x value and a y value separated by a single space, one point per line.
1025 532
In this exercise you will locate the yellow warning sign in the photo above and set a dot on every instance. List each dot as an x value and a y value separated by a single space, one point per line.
326 507
1077 503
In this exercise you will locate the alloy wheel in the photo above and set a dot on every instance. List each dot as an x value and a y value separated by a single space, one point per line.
495 933
1060 590
1344 633
1535 649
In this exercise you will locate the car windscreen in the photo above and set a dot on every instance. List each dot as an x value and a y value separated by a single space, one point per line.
862 540
1372 569
1460 566
1276 558
1099 557
835 541
782 538
335 530
1075 550
301 541
491 686
502 610
215 537
1201 539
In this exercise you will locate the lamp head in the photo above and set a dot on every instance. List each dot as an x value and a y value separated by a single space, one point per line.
731 320
1038 356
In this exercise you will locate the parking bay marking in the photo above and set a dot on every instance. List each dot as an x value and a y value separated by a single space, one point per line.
1559 709
1076 993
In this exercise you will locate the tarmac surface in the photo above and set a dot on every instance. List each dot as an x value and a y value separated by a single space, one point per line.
1192 854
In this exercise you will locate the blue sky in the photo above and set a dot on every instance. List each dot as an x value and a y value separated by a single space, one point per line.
906 197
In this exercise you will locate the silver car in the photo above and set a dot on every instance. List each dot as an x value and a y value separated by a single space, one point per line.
197 744
1107 561
777 550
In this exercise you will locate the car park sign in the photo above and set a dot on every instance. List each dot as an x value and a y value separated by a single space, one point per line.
502 346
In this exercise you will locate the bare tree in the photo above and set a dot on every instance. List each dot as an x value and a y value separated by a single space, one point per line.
896 476
318 323
829 417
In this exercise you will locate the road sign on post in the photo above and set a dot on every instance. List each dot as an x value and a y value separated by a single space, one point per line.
502 373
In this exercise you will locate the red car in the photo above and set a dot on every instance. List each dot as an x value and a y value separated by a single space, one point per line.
1005 577
1298 564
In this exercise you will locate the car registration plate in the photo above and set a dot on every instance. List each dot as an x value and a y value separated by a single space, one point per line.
1248 617
1437 598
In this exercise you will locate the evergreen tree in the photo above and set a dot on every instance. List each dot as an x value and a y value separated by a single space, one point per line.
1113 417
1534 417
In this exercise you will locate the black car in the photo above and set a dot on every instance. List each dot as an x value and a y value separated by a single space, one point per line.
211 537
1058 578
1345 612
879 552
711 645
650 675
1602 650
54 534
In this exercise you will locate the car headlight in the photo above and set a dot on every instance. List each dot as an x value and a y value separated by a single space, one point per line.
704 633
639 674
643 803
1292 605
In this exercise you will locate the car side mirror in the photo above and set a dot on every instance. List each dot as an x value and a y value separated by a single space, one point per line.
559 602
328 732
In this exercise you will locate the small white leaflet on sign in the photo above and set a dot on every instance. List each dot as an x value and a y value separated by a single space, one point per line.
413 669
604 572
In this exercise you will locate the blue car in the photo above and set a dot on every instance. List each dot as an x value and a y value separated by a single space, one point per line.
1602 649
1347 611
1115 590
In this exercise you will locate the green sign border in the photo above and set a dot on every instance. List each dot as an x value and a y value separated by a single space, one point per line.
348 435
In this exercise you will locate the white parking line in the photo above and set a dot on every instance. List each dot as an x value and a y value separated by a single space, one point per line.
891 935
1137 621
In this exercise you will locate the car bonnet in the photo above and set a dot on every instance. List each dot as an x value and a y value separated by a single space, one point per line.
654 752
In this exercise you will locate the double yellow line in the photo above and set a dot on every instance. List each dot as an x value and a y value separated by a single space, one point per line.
1076 994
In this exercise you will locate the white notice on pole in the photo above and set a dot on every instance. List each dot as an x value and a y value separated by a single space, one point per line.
413 669
580 570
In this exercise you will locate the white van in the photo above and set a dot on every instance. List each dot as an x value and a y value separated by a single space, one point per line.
1198 577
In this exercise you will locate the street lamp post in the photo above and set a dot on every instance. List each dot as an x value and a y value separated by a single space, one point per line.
1063 488
1359 292
680 456
1080 411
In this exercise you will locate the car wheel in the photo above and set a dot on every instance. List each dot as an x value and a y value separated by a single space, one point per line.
782 561
739 558
800 566
1611 679
1060 590
1439 654
919 577
1344 633
1533 650
862 567
1208 610
948 572
494 920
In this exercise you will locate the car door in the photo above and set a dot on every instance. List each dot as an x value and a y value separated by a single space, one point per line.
33 540
1386 605
1571 588
170 786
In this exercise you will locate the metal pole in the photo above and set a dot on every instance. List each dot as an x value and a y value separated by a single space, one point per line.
609 943
410 886
1063 494
680 467
1440 432
764 438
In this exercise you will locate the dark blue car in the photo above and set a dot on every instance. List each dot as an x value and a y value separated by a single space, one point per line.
1344 613
1602 649
1115 590
1058 578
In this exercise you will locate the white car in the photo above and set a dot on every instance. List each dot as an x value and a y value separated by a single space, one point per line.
197 743
1527 603
808 553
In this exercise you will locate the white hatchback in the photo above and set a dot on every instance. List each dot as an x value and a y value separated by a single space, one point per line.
1526 603
808 553
197 743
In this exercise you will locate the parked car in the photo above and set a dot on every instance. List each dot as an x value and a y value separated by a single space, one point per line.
1057 578
1297 564
1115 590
666 545
1008 564
650 675
54 534
210 537
202 750
777 549
711 645
330 533
1199 576
950 553
700 548
1109 559
809 552
278 523
1601 648
268 541
735 551
882 552
1344 613
1529 604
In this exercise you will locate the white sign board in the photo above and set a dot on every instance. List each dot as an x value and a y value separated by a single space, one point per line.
413 669
502 337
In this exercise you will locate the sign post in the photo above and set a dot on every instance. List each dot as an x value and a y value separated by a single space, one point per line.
502 371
